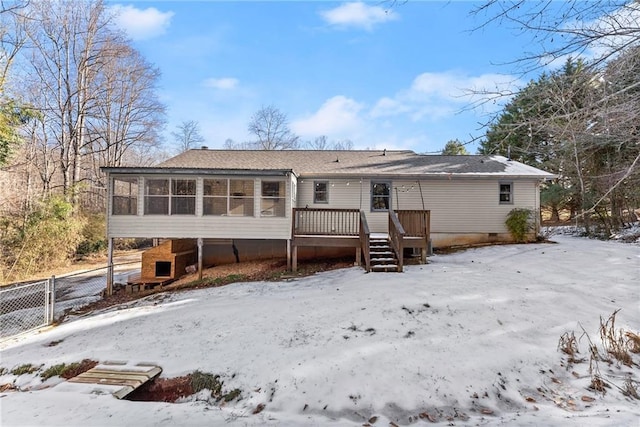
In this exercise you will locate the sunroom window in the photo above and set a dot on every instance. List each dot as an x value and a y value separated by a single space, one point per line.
125 196
272 202
170 197
227 197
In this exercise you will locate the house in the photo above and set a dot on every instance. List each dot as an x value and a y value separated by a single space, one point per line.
252 204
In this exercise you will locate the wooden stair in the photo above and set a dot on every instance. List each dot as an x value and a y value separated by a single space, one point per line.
383 259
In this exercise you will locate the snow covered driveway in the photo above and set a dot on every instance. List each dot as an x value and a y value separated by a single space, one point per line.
469 339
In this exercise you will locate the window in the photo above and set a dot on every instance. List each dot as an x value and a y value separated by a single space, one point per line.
215 196
227 197
183 197
156 197
294 190
506 193
125 196
272 202
380 196
170 197
320 192
241 197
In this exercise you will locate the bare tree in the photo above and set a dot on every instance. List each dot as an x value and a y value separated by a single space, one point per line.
322 143
187 135
598 30
271 128
580 123
66 40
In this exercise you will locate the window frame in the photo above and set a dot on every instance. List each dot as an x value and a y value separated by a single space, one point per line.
130 199
171 198
509 194
148 198
277 200
374 196
325 192
230 196
178 200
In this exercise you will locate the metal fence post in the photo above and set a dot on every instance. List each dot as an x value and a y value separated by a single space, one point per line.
47 305
52 300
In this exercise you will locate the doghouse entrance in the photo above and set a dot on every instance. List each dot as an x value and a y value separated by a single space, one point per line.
163 268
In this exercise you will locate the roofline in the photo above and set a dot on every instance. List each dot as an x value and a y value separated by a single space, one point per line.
440 175
194 171
285 172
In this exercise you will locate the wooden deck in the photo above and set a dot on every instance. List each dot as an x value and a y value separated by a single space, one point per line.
348 228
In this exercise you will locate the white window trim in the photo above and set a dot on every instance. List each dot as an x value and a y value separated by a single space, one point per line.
500 193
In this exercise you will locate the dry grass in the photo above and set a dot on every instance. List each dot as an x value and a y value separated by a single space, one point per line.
614 341
617 345
568 344
632 342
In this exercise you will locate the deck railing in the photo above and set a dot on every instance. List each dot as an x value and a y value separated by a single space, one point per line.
396 238
365 244
326 222
415 223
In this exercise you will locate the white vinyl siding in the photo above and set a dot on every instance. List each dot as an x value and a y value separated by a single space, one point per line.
457 206
206 226
465 206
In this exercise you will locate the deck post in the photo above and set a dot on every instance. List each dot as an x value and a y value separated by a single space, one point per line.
358 256
199 258
288 254
294 259
109 290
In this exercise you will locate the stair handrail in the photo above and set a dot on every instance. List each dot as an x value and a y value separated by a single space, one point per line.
365 237
396 238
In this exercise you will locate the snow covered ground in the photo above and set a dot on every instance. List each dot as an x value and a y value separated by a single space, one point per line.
469 339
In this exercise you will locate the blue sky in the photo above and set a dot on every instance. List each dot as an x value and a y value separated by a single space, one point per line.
381 77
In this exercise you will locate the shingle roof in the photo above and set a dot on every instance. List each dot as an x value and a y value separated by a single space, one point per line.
350 163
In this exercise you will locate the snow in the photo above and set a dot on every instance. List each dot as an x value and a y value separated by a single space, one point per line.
471 336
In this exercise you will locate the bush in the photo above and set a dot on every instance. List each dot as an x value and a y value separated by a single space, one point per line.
27 368
93 233
46 239
519 223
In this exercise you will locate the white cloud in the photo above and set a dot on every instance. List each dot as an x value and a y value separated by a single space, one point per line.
224 83
358 15
337 116
141 24
439 95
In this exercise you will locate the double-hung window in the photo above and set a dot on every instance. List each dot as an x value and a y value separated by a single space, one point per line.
506 193
320 192
380 196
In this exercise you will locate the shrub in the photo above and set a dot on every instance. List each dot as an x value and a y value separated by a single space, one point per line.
68 371
53 371
27 368
203 380
93 232
519 223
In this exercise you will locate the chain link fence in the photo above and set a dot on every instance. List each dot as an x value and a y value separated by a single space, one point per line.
25 306
28 306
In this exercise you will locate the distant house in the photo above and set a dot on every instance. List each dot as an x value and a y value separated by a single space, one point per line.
257 204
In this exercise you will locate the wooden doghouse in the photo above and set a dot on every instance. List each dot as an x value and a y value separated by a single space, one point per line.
165 263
